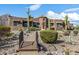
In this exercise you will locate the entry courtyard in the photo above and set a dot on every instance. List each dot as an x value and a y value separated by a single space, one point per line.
42 32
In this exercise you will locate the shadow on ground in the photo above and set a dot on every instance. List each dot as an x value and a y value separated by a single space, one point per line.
59 41
42 47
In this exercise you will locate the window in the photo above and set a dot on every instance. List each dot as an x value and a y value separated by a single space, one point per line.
25 24
16 23
59 26
51 24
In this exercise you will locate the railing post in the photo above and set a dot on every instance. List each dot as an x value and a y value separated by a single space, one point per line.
21 39
37 42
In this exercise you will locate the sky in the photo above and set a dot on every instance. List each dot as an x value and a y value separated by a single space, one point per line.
57 11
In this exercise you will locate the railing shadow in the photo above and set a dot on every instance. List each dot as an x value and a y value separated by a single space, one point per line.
58 42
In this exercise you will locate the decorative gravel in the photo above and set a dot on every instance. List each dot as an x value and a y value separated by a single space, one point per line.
70 43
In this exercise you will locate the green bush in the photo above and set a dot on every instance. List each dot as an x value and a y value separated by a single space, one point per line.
33 29
8 34
4 30
48 36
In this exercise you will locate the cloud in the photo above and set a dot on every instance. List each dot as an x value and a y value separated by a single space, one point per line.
63 14
75 23
72 16
71 10
51 14
35 7
72 13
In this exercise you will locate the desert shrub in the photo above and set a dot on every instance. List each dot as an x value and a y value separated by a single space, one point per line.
33 29
4 30
8 34
75 32
38 29
48 36
67 32
77 27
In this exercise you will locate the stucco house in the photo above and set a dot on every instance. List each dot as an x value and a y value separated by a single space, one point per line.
41 22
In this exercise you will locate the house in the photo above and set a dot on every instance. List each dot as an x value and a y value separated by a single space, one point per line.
41 22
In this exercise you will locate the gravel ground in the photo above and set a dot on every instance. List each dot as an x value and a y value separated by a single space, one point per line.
64 44
9 49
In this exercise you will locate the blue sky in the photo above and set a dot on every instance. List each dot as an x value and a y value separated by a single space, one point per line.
20 9
49 10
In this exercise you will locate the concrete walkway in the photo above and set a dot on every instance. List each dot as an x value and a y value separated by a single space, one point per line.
29 46
29 36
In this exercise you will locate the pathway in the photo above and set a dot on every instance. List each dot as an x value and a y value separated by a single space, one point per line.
30 45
